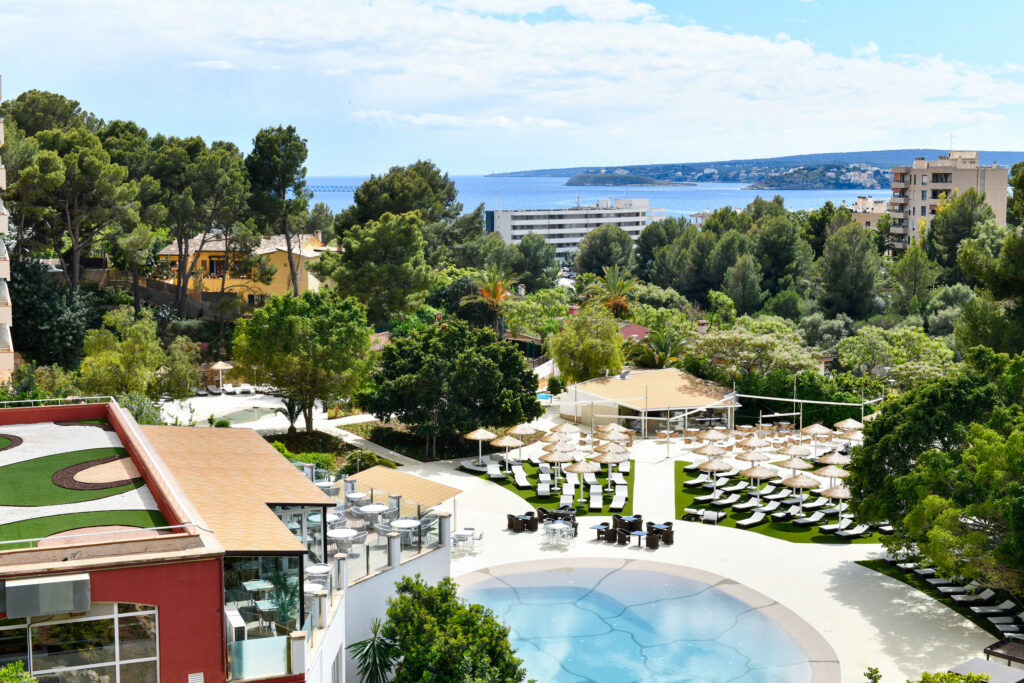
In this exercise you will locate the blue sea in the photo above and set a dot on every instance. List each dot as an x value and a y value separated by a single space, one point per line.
552 193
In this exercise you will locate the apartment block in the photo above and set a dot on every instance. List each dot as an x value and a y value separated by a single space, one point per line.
918 189
6 343
867 210
566 228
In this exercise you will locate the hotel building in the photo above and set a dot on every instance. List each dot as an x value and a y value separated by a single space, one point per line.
6 343
137 554
566 228
918 189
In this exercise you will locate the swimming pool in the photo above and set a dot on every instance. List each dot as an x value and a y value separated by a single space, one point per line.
249 414
644 621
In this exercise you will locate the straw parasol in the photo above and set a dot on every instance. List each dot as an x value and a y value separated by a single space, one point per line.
753 456
816 429
714 466
758 472
583 467
712 435
848 425
610 459
566 428
558 458
801 481
611 447
521 430
839 493
552 437
831 472
709 450
835 459
745 428
507 442
220 366
753 442
795 464
481 435
611 427
795 451
615 436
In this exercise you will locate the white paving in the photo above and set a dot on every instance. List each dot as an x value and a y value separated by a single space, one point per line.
46 438
135 499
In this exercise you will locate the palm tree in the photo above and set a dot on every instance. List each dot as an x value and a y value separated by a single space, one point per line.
374 656
615 290
493 286
659 349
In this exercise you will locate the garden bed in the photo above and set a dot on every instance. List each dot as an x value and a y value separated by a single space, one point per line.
399 438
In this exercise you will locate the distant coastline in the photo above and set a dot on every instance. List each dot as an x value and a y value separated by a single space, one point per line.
617 180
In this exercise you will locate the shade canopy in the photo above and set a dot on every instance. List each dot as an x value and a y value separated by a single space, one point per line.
753 456
795 464
816 429
754 442
801 481
583 467
615 436
871 416
426 492
565 428
837 493
611 458
714 466
712 435
507 442
709 450
222 365
795 451
758 472
835 459
853 436
552 437
481 435
521 430
611 448
832 472
611 427
848 425
557 457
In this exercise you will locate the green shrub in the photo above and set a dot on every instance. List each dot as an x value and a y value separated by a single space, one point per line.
222 422
555 385
359 460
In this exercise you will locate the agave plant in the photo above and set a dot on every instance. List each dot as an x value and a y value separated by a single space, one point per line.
375 656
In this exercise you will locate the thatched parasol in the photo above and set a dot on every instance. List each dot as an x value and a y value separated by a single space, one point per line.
839 493
507 442
753 442
709 450
712 435
480 435
848 425
566 428
801 481
758 472
835 459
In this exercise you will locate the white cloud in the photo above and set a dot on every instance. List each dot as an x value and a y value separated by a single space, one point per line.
601 10
218 64
866 50
389 118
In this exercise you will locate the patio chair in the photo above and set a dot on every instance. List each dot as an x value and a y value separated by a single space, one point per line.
618 503
653 541
532 524
984 596
543 490
213 389
637 524
542 513
752 520
726 502
611 535
623 537
510 519
816 518
668 536
1005 607
478 539
518 525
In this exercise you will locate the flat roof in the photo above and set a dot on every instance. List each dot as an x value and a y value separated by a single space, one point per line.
665 389
65 478
232 476
414 489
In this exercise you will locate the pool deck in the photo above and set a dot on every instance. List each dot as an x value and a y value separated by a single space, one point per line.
869 619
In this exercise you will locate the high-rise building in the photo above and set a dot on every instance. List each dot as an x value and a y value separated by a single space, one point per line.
566 228
6 344
918 189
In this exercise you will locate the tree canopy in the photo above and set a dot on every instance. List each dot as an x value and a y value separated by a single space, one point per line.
420 186
605 246
588 345
849 271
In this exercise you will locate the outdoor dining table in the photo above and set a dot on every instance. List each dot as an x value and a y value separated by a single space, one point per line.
318 570
257 586
405 525
374 509
599 528
355 495
326 484
342 534
315 518
639 535
659 527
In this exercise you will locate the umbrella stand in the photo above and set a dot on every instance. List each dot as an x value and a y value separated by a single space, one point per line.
610 486
506 460
480 453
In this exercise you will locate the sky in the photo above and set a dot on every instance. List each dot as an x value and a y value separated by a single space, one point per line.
499 85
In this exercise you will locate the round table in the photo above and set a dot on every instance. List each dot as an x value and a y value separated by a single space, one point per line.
355 495
405 524
341 534
327 484
375 509
318 570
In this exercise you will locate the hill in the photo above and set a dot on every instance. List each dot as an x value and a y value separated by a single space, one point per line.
616 179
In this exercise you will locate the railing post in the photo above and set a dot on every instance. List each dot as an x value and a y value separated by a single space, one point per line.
341 571
322 600
444 528
394 549
350 485
297 652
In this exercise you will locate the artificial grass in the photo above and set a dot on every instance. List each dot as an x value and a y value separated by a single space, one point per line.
30 482
4 442
40 527
397 437
531 497
915 581
786 531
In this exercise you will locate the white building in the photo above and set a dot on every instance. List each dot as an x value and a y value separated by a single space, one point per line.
6 345
565 228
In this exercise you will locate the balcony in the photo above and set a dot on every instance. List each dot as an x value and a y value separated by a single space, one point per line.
899 230
897 214
899 199
899 184
5 259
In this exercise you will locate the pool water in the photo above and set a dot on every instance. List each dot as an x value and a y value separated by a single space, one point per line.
249 414
605 624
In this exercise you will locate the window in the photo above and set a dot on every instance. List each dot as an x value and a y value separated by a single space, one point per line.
110 644
924 180
924 194
924 210
217 265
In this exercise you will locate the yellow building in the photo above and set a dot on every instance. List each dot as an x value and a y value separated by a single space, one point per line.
213 259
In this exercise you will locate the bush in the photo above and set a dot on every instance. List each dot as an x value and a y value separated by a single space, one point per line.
359 460
222 422
144 409
324 461
555 385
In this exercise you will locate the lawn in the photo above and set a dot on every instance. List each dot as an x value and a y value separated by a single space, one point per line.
30 481
41 527
530 495
308 442
786 531
397 437
915 581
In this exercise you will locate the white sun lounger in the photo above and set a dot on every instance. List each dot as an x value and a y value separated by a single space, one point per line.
621 492
246 389
230 388
733 488
544 478
618 479
746 505
725 502
713 516
702 479
852 532
543 490
624 467
810 521
494 472
769 507
213 389
756 518
572 478
832 528
596 497
521 481
618 502
544 468
1008 619
590 479
566 499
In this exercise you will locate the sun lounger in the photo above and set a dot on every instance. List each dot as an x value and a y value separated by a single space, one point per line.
746 505
624 467
725 502
885 529
596 492
543 490
202 392
752 520
521 481
707 498
853 532
590 479
1005 607
767 490
791 511
618 479
925 571
833 528
544 468
494 472
544 478
957 590
713 516
810 521
699 481
618 502
782 494
907 566
213 389
739 486
596 502
246 389
565 499
1009 619
983 596
940 581
230 388
816 504
572 478
621 491
769 507
692 512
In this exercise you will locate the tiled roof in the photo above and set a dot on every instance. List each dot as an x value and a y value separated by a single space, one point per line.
231 476
268 245
410 487
658 390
